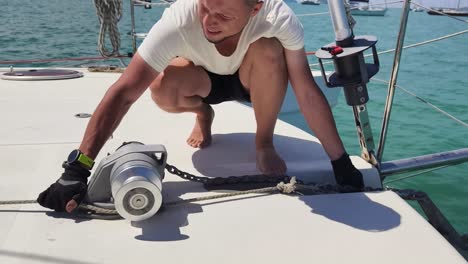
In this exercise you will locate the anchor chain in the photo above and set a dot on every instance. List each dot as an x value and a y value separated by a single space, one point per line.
216 181
306 188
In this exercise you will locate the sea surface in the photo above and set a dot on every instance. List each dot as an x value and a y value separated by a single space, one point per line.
436 72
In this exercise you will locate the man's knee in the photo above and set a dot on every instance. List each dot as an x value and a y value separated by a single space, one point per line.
268 50
264 57
164 89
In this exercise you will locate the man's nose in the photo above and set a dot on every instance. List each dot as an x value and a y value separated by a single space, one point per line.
210 21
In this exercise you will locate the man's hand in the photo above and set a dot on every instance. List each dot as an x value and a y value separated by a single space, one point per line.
68 191
346 173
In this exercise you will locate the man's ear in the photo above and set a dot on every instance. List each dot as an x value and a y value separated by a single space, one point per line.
257 8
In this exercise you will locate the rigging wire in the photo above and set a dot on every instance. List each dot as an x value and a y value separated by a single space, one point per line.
418 173
312 14
426 42
352 8
122 63
438 12
426 102
407 46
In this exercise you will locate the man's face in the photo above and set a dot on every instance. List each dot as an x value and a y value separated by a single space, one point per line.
222 19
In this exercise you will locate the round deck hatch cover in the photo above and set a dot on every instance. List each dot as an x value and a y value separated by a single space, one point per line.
41 74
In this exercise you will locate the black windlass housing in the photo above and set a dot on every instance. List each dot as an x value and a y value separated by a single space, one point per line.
351 70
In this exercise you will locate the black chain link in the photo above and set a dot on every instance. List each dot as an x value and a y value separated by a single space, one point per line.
216 181
308 188
409 194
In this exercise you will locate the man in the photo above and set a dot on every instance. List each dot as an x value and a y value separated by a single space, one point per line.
204 52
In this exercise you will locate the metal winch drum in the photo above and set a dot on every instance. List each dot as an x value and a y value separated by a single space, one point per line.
130 180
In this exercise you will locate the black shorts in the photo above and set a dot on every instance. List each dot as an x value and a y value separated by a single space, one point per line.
226 88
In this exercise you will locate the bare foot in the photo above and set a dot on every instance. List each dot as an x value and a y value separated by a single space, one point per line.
269 162
201 133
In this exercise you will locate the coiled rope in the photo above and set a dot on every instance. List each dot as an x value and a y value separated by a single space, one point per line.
109 13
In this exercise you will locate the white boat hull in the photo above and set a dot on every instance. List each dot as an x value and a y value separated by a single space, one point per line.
41 128
369 11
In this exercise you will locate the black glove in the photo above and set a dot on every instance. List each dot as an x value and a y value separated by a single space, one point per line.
73 184
346 173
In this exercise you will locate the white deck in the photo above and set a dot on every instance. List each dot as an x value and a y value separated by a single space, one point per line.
38 129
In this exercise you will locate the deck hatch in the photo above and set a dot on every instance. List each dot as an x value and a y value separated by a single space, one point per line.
41 75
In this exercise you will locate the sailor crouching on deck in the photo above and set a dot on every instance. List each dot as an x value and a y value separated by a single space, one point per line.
204 52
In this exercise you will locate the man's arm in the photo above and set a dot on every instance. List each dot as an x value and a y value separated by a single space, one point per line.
318 115
70 189
115 104
312 103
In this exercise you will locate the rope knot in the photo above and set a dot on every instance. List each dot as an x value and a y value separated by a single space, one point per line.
287 187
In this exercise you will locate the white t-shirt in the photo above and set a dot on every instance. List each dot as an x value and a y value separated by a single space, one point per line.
179 33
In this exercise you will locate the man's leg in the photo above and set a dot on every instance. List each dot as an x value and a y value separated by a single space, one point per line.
263 72
180 88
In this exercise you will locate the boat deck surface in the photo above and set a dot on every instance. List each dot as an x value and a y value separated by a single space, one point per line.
39 128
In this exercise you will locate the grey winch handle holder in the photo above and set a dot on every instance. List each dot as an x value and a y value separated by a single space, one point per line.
351 70
131 180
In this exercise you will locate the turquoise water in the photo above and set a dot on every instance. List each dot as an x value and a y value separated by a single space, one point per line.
437 72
